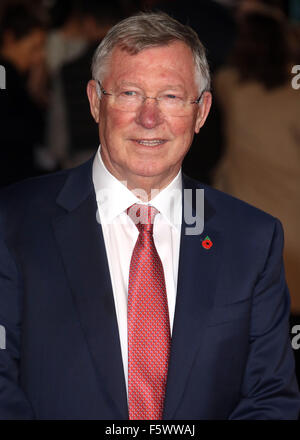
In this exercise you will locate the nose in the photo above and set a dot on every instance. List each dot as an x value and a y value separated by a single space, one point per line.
149 114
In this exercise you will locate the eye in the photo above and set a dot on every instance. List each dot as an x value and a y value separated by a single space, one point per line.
129 93
172 97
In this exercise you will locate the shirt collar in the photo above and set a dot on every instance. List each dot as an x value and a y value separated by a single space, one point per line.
113 196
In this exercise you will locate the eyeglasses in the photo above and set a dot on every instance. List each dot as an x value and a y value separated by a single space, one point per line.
131 100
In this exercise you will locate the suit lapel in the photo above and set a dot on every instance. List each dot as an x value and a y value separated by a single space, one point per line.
81 244
194 301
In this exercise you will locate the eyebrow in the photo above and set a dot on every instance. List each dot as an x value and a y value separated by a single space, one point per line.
168 86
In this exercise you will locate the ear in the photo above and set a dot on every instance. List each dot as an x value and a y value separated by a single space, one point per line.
203 110
92 92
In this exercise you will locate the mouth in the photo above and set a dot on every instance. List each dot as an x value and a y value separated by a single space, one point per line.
150 142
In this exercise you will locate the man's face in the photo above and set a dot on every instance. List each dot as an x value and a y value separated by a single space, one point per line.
124 134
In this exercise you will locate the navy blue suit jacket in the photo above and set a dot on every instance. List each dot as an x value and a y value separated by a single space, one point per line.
231 356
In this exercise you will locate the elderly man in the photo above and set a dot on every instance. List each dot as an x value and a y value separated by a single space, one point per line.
114 306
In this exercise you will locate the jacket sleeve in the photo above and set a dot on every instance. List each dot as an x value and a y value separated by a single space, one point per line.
13 401
270 390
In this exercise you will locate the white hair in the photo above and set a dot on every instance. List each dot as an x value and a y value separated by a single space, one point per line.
146 30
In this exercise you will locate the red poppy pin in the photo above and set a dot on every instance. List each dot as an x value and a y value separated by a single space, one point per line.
207 243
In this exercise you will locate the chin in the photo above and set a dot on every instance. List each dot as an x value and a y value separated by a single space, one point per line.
149 170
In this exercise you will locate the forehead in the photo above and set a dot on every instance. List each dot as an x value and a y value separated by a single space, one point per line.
169 63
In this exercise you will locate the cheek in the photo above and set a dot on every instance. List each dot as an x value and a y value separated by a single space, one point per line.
114 122
183 132
183 129
113 127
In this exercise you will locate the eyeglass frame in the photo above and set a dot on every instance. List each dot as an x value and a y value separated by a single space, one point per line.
105 93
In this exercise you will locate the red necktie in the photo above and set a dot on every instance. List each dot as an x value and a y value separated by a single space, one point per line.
148 322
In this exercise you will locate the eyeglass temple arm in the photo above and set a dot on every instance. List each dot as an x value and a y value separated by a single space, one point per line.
100 89
198 99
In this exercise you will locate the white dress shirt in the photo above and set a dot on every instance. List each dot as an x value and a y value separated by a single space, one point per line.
120 235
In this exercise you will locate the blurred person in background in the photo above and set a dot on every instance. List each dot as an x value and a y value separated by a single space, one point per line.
66 39
65 42
281 5
81 133
70 132
22 104
261 112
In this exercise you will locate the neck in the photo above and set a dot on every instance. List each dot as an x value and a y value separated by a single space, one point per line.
146 188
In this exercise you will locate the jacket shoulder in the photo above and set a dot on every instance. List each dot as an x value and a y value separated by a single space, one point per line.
231 211
40 188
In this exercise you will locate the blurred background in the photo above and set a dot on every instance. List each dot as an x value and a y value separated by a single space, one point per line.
250 145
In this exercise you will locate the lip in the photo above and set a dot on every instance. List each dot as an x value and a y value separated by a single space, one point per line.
146 142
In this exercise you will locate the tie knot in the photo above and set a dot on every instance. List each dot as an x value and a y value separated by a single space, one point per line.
142 216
